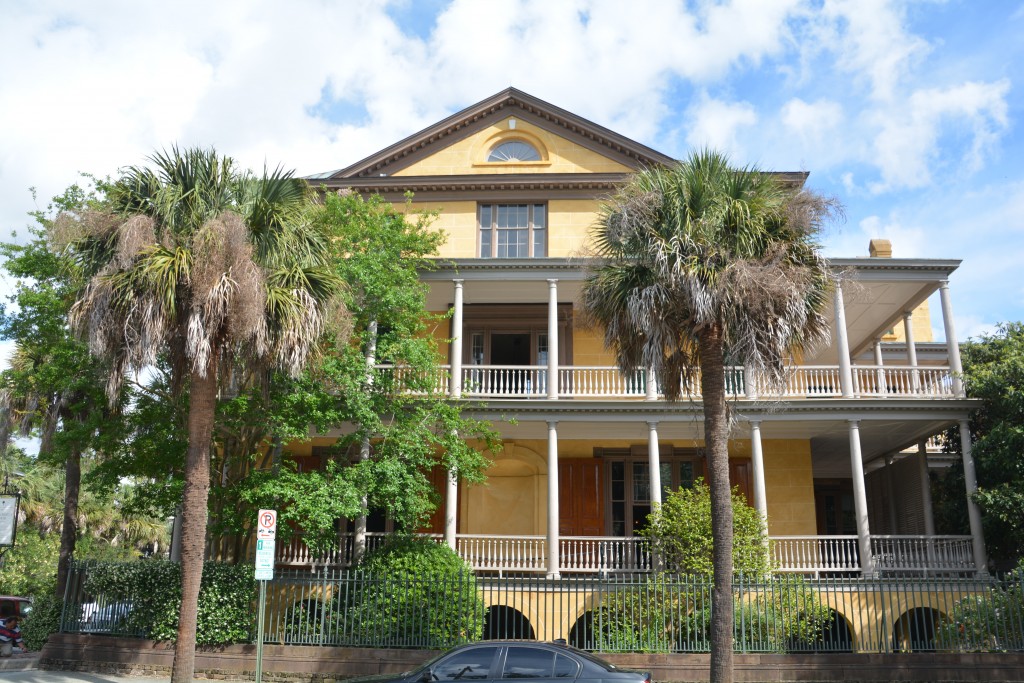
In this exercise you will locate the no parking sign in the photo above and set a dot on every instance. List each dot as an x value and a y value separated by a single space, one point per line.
266 534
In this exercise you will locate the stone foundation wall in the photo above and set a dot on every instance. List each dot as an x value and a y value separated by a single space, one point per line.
296 664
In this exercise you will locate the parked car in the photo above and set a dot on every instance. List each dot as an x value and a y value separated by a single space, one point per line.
100 618
495 659
11 605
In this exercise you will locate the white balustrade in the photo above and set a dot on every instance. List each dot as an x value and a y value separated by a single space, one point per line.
814 554
611 554
606 382
923 554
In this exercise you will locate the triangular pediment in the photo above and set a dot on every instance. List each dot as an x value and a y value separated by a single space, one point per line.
457 146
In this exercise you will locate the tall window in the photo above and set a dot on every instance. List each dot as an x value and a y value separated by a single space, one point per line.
630 490
513 230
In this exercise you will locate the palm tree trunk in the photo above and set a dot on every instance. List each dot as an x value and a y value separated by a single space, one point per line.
716 441
202 407
69 529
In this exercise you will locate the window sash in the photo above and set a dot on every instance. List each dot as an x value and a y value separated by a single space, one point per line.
513 230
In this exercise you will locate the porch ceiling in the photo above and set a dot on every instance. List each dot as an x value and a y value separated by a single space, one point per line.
876 292
885 426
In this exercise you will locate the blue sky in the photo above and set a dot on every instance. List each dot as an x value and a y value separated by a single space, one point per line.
909 112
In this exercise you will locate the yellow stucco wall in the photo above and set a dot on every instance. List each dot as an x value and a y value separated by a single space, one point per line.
469 155
569 223
920 323
514 498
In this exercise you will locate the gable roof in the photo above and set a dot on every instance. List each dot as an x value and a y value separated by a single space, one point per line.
506 103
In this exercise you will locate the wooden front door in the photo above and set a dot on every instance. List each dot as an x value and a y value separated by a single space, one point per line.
580 498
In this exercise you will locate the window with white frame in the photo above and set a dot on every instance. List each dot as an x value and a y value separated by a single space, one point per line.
513 230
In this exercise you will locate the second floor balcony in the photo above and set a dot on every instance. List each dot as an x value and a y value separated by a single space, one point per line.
592 382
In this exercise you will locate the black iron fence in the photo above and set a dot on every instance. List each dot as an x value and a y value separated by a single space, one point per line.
629 613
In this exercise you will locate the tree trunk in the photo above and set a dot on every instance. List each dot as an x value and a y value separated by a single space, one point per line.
201 412
716 441
69 529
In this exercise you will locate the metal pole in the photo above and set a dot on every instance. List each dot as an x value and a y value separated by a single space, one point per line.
259 631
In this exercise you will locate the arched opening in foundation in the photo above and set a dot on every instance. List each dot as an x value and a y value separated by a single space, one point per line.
836 636
502 622
915 630
581 635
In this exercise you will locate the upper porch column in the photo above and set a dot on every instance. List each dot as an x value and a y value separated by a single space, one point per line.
973 513
860 501
845 372
455 381
553 541
880 372
908 332
952 348
553 339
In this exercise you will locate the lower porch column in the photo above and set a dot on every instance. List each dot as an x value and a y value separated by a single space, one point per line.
451 508
860 501
926 488
553 540
654 458
973 513
757 462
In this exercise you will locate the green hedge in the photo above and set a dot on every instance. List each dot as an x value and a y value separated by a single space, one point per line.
153 589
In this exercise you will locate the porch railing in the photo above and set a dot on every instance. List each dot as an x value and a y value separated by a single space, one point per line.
608 382
810 555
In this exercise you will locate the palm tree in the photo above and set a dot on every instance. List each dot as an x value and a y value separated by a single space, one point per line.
211 267
698 265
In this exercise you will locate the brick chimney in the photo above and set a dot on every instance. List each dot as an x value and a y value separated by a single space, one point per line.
879 248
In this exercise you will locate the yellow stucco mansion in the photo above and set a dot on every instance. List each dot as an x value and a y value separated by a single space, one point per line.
837 462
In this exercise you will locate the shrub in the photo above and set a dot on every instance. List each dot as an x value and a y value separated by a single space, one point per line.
153 590
416 592
988 623
673 614
43 620
680 533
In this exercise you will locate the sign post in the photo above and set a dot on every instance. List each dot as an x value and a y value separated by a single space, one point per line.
266 536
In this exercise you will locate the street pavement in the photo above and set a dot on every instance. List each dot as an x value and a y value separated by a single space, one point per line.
36 676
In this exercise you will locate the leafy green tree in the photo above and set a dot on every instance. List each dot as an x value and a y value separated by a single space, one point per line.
210 268
993 372
53 387
381 379
700 265
681 535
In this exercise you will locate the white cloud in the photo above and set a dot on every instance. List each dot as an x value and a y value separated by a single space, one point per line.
813 122
715 123
907 241
907 145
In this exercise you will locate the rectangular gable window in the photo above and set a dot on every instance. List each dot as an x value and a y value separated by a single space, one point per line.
513 230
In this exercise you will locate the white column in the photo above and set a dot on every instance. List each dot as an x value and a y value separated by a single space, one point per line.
654 458
973 513
652 385
845 371
553 541
926 488
952 348
860 501
359 537
757 460
880 372
749 383
552 339
908 332
451 509
455 382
